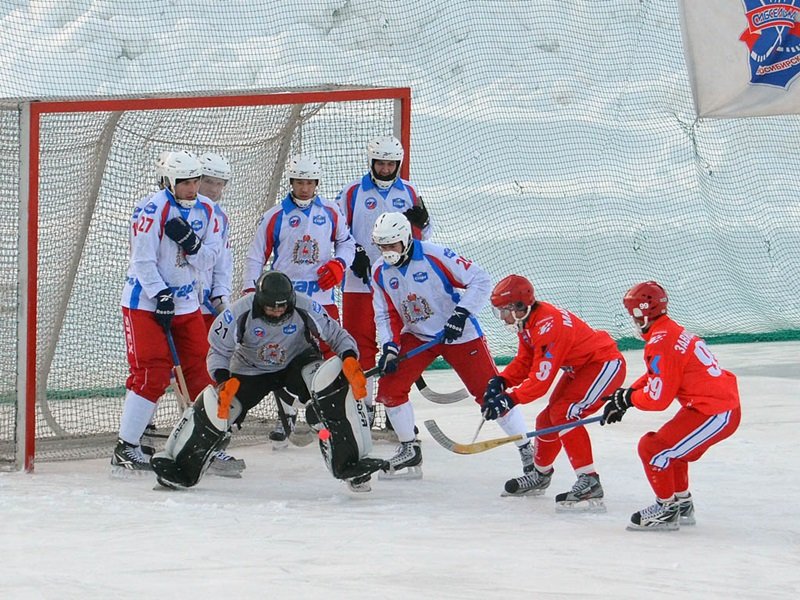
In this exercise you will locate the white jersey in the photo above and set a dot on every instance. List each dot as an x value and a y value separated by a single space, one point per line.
157 262
247 344
361 203
300 242
424 293
217 280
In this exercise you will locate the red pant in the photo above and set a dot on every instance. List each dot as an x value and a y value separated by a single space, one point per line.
583 391
666 453
471 361
150 359
358 318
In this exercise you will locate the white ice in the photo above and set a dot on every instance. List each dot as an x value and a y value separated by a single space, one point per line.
287 529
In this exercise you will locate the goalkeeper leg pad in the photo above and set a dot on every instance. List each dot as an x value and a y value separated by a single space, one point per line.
195 439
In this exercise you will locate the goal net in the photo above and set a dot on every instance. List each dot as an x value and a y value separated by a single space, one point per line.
69 176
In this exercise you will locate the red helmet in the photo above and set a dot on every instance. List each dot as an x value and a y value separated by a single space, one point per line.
514 289
646 302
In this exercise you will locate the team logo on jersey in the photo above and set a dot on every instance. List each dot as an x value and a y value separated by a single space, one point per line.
272 354
259 332
289 329
773 38
371 203
150 208
420 276
136 212
227 316
545 325
399 203
294 221
306 251
394 283
657 337
415 309
319 219
449 253
197 225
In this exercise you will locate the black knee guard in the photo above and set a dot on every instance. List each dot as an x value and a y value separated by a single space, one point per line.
198 435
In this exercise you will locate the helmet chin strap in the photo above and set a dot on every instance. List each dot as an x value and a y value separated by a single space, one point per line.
302 203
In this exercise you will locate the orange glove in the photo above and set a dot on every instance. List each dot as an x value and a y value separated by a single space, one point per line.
226 392
355 375
330 274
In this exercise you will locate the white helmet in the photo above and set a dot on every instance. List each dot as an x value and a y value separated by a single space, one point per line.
160 162
304 167
178 166
215 165
392 227
387 147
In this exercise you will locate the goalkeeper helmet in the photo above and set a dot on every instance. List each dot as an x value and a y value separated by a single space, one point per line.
274 292
387 148
390 228
646 302
512 300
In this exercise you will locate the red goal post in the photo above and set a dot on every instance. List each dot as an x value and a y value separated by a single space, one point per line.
82 164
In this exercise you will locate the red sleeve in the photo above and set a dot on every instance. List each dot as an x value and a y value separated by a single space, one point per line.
658 387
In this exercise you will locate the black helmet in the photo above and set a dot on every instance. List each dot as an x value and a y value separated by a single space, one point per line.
274 290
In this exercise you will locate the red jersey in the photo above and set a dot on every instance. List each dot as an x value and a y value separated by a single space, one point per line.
553 339
680 366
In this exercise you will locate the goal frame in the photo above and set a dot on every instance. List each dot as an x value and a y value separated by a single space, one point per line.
30 115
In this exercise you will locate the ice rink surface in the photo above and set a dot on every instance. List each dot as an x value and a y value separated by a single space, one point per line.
287 529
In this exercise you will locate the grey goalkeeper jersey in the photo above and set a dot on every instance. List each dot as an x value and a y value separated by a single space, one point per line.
245 343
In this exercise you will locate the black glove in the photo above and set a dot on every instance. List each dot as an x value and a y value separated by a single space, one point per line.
495 387
221 376
387 363
165 308
496 406
454 327
418 215
361 265
616 405
180 232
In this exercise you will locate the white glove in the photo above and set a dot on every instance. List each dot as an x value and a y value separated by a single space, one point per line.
220 303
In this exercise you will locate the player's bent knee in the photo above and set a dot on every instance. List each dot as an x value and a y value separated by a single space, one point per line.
649 445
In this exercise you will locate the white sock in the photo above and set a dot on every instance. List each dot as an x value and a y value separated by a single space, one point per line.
513 423
136 414
402 418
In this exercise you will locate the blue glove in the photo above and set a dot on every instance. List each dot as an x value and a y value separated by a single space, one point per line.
495 387
180 232
616 405
387 363
496 406
454 327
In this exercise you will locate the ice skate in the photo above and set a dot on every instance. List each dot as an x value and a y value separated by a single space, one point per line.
279 436
661 516
686 510
532 484
526 456
406 463
225 465
359 485
585 496
128 460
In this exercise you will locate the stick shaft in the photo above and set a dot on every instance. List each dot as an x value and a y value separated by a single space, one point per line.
182 392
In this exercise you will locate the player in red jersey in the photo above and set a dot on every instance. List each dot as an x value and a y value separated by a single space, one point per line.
553 339
679 367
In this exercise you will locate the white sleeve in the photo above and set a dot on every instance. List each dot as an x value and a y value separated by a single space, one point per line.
221 283
345 245
383 307
473 279
145 243
256 255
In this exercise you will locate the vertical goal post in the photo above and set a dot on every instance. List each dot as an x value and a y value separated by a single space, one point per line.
31 379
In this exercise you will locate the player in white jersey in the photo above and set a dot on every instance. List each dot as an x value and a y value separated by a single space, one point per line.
429 290
217 285
380 190
173 239
265 341
308 240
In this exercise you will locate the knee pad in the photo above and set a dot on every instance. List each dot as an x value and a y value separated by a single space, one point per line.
346 419
198 435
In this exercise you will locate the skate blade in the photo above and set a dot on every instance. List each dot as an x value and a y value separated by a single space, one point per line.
278 446
359 488
593 505
687 521
404 473
520 493
165 486
118 472
657 527
229 473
